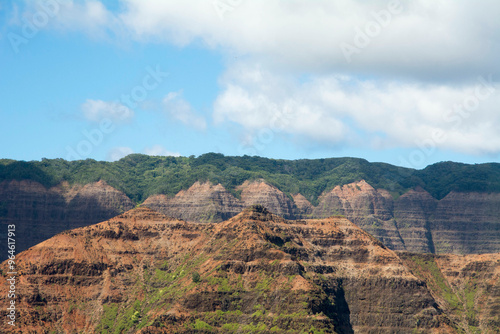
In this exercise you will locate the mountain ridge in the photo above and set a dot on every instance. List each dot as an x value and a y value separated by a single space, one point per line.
212 188
140 176
144 272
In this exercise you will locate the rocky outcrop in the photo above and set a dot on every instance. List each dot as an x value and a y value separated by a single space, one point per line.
467 288
202 202
412 212
257 272
371 209
260 192
304 207
39 213
460 223
466 223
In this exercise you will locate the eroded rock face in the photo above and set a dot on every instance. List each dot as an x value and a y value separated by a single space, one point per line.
371 209
39 213
259 192
467 223
304 207
467 288
412 212
143 272
202 202
459 223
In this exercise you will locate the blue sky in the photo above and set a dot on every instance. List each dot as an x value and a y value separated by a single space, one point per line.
408 83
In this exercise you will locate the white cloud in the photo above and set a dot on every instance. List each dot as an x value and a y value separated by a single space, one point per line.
97 110
418 39
257 99
342 110
117 153
421 39
396 91
179 109
160 150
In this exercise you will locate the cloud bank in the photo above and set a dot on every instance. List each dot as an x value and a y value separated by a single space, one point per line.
375 74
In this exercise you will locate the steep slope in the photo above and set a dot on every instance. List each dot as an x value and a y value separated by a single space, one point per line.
206 203
461 222
369 208
446 207
412 213
202 202
39 213
467 288
257 272
467 222
260 192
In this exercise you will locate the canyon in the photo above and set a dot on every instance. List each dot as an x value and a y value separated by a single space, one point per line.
459 223
144 272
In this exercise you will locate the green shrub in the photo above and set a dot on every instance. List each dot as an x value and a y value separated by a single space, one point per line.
201 325
196 277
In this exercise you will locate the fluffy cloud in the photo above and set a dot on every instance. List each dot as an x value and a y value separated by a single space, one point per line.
343 110
179 109
419 39
352 72
117 153
160 150
97 110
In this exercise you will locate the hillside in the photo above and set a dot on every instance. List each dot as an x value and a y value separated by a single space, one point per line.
255 273
445 208
140 176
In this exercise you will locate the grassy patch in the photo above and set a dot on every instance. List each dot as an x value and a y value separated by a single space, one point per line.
438 282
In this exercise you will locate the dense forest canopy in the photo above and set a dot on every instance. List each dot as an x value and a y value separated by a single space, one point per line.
140 176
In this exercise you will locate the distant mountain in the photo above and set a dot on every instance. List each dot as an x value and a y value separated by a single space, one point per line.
142 272
140 176
444 208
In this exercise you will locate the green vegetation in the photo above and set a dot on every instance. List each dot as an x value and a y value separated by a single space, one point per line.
201 325
116 320
160 286
461 301
196 277
437 283
140 176
108 318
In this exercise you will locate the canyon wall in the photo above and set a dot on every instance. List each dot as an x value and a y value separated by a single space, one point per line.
39 213
143 272
461 223
257 272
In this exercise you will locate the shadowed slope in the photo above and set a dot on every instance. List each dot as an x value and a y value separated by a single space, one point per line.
255 273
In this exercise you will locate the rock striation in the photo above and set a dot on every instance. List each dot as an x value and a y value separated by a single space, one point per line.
202 202
466 223
467 288
40 213
371 209
412 213
461 223
143 272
